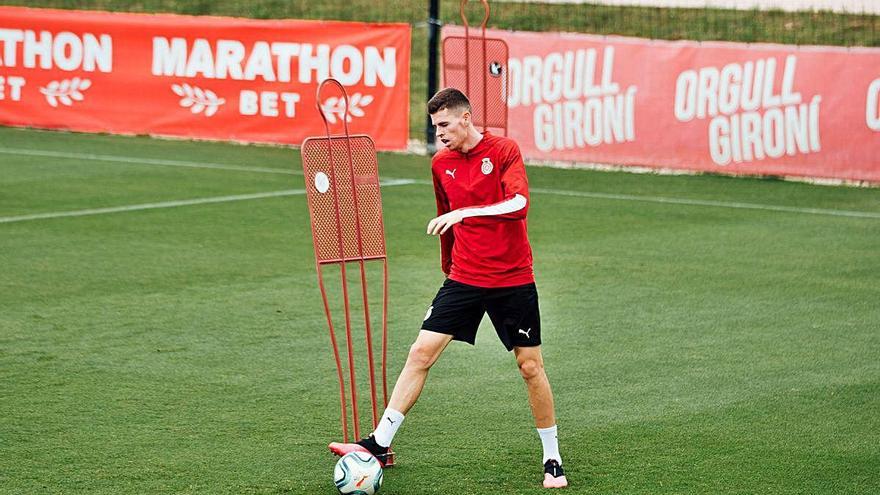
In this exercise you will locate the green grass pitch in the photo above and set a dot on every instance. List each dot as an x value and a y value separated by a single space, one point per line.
703 334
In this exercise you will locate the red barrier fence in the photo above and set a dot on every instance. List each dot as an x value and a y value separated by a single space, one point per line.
720 107
200 77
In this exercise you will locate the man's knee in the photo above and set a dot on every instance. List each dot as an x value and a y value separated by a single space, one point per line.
421 356
530 368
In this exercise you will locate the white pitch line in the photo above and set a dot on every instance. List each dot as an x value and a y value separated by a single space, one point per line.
560 192
143 161
173 204
705 202
150 206
697 202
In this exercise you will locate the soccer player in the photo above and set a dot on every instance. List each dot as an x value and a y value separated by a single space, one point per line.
482 200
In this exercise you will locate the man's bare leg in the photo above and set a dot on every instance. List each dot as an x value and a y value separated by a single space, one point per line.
531 367
422 355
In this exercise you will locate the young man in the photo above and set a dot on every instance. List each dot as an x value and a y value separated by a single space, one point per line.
482 200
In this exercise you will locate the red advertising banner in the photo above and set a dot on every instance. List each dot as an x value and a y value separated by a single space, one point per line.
720 107
200 77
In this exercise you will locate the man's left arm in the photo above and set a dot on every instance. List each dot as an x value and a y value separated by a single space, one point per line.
515 186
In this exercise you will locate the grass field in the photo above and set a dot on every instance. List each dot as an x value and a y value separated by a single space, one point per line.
704 335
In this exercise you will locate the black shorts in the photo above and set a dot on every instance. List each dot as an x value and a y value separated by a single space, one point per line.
458 309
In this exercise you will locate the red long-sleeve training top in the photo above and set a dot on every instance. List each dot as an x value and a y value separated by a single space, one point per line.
491 248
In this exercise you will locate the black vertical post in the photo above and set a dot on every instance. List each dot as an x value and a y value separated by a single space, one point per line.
433 39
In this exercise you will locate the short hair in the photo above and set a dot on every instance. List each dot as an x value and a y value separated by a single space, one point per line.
450 99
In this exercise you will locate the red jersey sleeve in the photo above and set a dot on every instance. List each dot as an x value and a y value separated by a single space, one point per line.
514 180
448 238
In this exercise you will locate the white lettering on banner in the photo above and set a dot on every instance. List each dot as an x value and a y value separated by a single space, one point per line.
872 106
573 108
231 59
10 88
732 98
317 63
346 55
575 124
267 103
571 74
64 50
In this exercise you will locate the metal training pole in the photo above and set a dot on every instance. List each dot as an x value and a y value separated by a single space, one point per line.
433 36
352 384
335 351
467 55
360 244
347 226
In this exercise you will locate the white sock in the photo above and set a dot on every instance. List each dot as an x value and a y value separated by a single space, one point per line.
551 445
387 427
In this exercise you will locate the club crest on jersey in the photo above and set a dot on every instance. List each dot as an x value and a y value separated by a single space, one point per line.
487 166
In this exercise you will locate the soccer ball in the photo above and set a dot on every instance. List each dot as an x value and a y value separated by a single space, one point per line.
358 473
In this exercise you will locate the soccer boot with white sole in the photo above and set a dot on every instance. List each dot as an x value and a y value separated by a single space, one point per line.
554 476
382 454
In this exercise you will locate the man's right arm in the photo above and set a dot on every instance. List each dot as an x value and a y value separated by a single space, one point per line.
447 238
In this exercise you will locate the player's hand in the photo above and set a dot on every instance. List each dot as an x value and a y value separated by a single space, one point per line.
441 224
